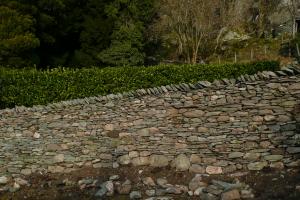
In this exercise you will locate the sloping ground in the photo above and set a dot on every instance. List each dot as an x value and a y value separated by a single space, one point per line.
230 126
257 49
260 185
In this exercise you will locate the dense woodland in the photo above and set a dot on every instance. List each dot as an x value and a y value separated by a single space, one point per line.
83 33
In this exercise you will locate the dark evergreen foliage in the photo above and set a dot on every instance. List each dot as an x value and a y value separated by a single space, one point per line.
74 33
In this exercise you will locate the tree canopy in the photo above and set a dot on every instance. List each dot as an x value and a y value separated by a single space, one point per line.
50 33
17 38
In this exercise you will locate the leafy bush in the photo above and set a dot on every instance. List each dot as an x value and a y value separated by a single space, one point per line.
32 87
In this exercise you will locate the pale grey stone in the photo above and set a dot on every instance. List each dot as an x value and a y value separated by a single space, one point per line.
235 155
159 161
252 156
231 195
293 150
150 193
148 181
124 160
182 163
3 179
140 161
256 166
273 158
124 188
196 182
197 169
135 195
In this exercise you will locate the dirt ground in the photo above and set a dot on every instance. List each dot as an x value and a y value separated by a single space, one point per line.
267 184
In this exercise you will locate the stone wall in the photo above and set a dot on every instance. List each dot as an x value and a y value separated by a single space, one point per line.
220 127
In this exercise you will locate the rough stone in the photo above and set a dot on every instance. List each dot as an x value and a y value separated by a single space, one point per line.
140 161
182 163
123 135
109 185
258 119
235 155
102 191
53 147
85 181
197 169
124 188
231 195
256 166
21 181
202 129
26 172
294 86
293 150
227 186
273 158
196 182
265 144
150 193
109 127
148 181
229 169
194 114
144 132
199 191
212 189
56 169
247 194
3 180
277 165
214 170
173 190
162 182
209 160
145 153
208 196
195 159
114 177
59 158
116 165
159 161
135 195
124 160
160 192
252 156
36 135
223 119
269 118
97 165
15 188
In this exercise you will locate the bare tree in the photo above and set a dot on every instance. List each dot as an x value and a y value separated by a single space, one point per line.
233 15
293 7
265 9
191 23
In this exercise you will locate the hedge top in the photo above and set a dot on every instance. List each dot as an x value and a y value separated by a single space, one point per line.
30 87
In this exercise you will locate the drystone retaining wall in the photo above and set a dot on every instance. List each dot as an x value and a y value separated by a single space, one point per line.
245 124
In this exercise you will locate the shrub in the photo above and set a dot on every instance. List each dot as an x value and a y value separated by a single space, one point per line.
32 87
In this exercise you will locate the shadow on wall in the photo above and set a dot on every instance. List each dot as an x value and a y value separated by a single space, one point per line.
296 115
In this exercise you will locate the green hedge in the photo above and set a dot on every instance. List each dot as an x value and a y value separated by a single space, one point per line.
33 87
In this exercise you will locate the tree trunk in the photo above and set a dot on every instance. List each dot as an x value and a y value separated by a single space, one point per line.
294 28
194 58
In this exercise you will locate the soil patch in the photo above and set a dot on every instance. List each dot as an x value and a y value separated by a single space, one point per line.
266 184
